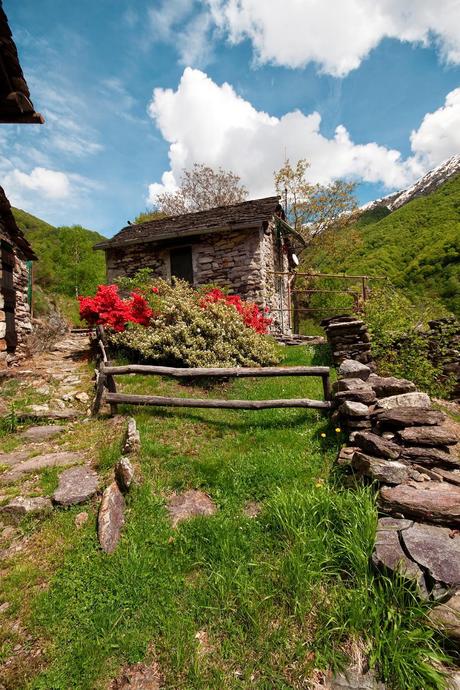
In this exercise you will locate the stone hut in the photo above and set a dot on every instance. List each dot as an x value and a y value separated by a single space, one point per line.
15 251
245 248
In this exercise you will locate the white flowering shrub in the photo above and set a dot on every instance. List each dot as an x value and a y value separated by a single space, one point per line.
189 330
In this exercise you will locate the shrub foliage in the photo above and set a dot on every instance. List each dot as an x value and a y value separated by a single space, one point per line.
177 325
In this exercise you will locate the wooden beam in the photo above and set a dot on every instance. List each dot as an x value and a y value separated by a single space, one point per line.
159 401
223 372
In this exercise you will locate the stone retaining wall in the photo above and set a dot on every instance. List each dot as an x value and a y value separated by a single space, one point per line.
408 450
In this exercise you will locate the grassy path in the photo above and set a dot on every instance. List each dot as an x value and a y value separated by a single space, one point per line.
271 597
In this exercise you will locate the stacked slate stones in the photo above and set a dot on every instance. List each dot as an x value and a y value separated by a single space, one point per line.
400 443
446 357
348 339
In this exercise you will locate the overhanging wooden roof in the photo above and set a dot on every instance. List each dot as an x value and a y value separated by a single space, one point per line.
11 227
15 104
247 214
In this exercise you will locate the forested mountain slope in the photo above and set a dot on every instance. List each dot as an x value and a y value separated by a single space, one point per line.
67 263
417 246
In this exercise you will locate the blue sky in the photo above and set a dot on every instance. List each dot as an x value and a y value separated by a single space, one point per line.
134 90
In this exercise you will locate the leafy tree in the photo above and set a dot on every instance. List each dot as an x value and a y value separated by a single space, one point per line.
201 188
315 211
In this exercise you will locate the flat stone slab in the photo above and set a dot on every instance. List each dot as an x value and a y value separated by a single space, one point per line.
415 399
35 434
132 442
353 680
350 369
111 518
76 486
383 471
436 549
376 445
190 504
14 458
430 457
366 396
352 384
427 436
401 417
388 386
21 506
139 677
446 616
40 462
351 408
389 554
68 413
435 502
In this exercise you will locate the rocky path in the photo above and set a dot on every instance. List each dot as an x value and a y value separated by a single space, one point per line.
44 399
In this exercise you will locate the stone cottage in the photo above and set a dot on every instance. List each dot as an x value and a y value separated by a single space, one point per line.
245 248
16 253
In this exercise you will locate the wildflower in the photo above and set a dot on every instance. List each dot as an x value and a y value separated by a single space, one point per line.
338 430
323 435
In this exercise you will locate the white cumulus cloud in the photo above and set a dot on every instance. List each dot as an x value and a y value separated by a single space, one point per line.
438 136
208 123
52 183
336 34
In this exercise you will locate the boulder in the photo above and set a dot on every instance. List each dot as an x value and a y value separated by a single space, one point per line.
132 440
350 369
401 417
111 518
446 616
76 485
415 399
389 555
436 502
21 506
427 436
124 474
436 550
376 445
430 457
353 409
384 471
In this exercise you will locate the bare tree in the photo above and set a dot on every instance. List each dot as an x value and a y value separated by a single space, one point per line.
201 188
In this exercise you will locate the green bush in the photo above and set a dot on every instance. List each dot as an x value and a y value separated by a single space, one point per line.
186 333
398 329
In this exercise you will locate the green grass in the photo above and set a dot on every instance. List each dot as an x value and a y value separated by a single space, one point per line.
278 595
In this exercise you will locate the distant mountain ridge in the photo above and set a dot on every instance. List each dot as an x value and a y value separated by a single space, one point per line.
423 186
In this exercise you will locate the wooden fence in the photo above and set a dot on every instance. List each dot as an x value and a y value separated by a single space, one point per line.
106 390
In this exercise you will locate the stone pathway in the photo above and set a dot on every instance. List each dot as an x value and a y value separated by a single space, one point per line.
61 379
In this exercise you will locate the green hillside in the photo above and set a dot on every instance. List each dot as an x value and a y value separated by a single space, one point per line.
416 246
67 264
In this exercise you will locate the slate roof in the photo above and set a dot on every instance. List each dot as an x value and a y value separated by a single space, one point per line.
15 104
12 229
247 214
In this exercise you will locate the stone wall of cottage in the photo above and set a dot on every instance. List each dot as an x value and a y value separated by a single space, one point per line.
243 262
276 287
23 322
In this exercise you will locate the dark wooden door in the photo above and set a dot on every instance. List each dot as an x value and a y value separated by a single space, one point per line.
9 294
181 263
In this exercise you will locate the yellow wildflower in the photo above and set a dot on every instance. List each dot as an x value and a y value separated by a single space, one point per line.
338 430
323 435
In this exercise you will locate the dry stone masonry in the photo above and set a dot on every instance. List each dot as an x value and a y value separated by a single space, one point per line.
405 448
348 339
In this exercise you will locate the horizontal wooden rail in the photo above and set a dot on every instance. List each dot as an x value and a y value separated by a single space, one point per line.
106 390
119 398
237 372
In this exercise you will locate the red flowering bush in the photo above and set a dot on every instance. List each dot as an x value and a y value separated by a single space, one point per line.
109 309
252 316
